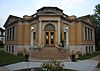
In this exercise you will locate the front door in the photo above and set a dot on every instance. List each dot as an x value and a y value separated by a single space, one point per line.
49 39
49 35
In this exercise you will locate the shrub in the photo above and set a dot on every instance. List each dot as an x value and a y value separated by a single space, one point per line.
98 65
53 65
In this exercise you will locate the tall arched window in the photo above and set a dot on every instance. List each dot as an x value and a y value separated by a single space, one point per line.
49 27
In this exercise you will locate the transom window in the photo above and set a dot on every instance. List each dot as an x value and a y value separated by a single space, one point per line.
49 27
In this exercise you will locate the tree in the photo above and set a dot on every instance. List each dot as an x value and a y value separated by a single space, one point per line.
97 10
96 18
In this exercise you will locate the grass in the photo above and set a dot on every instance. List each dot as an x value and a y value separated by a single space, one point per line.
88 56
7 58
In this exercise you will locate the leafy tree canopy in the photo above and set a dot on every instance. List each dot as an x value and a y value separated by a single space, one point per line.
96 18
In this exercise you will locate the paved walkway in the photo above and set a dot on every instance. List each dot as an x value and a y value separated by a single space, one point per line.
4 69
83 65
23 65
97 58
96 69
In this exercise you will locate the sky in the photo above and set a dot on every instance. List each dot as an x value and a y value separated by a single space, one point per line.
29 7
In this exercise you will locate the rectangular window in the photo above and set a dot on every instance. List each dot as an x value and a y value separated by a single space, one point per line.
85 33
7 34
64 36
13 33
12 49
88 33
47 37
10 34
91 35
52 37
34 33
9 49
91 48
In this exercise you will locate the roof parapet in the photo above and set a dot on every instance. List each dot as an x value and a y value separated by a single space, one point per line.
72 18
26 17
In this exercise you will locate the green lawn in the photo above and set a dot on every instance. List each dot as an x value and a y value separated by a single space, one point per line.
88 56
7 58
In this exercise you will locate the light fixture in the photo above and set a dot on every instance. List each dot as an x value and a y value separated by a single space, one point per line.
66 28
32 28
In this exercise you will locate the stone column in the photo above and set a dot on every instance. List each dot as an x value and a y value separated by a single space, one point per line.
67 38
31 38
40 32
58 32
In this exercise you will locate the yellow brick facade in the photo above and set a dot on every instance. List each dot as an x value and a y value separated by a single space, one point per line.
74 36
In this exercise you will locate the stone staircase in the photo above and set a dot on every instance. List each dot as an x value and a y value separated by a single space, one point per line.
50 53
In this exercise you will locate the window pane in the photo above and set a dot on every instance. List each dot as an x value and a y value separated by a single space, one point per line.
10 34
65 36
9 48
85 33
49 27
47 38
12 48
13 33
52 37
34 34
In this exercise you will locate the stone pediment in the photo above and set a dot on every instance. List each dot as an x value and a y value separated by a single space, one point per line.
11 19
86 19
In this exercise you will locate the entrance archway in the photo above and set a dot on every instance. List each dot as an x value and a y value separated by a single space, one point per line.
49 35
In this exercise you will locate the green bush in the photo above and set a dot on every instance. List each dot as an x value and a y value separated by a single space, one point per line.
98 65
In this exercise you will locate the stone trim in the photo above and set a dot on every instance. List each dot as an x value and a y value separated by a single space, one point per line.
17 48
82 48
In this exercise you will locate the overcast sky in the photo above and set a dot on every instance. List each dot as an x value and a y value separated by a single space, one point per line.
28 7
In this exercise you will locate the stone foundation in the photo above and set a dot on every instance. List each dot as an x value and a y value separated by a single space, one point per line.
82 49
15 49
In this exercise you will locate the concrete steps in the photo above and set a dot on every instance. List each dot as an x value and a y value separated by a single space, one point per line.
50 53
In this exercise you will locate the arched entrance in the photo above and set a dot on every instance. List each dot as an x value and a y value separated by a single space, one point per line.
49 35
